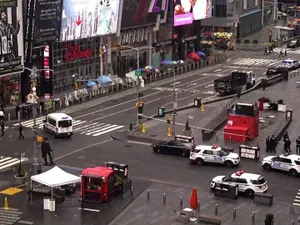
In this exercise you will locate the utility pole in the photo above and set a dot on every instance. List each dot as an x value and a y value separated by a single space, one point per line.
138 83
35 163
175 105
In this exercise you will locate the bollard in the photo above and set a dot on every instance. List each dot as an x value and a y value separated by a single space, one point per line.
234 213
90 95
257 144
253 217
19 115
148 195
216 209
293 222
164 198
130 127
181 202
198 209
8 117
41 109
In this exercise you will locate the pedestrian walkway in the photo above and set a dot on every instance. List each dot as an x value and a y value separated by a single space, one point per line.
256 62
297 199
7 162
295 51
81 127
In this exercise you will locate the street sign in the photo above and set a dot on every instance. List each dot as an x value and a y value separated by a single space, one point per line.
138 73
174 114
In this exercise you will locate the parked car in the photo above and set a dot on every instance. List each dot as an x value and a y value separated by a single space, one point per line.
272 71
248 183
174 147
286 162
294 44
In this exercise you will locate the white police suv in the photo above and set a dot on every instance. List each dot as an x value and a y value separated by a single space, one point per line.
213 154
285 162
248 183
289 64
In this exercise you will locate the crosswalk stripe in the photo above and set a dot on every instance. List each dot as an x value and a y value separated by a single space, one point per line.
297 196
78 129
116 128
12 162
296 200
91 128
102 129
296 204
78 122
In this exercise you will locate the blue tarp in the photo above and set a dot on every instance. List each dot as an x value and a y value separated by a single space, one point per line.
104 80
90 83
202 55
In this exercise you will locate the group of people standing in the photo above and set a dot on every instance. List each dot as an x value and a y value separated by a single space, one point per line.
271 143
270 50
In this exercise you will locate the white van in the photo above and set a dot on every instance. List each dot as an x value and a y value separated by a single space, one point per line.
59 124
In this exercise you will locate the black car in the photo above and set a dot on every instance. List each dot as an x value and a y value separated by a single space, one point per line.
293 44
174 148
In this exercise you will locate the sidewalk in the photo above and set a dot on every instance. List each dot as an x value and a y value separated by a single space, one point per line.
142 211
157 129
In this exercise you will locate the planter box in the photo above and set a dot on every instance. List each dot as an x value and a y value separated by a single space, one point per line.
281 108
20 180
187 133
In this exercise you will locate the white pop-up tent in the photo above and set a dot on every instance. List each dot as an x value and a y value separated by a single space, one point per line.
55 177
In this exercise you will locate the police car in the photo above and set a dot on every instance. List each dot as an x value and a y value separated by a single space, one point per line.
213 154
248 183
285 162
289 64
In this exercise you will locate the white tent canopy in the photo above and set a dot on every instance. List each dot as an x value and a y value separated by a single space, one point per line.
55 177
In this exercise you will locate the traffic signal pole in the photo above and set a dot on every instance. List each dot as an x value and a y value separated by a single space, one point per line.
138 85
175 104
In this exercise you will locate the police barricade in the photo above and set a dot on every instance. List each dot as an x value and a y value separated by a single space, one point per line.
248 152
184 138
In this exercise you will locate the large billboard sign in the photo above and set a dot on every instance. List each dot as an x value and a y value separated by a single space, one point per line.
186 11
88 18
47 20
11 37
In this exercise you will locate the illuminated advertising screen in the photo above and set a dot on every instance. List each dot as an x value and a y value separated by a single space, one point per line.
186 11
11 37
88 18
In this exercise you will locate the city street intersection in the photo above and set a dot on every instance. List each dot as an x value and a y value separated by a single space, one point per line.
92 144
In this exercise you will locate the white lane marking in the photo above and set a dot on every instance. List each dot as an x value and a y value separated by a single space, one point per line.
296 204
134 100
218 70
296 200
140 143
82 149
106 131
25 222
90 210
84 127
8 162
210 85
100 129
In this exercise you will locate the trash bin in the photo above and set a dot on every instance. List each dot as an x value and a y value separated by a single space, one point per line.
161 112
233 191
289 113
197 102
263 198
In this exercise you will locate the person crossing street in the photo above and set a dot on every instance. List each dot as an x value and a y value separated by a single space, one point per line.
46 151
2 127
21 136
298 145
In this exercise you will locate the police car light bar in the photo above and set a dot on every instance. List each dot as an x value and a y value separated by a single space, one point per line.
215 146
239 173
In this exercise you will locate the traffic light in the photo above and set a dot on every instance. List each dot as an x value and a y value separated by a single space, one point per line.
141 108
76 85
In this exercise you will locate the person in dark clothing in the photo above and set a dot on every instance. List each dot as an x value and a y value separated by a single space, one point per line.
21 136
46 151
267 144
270 49
2 127
280 53
286 135
285 52
287 145
17 111
266 51
273 143
298 145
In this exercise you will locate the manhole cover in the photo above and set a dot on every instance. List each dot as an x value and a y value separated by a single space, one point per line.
153 135
128 146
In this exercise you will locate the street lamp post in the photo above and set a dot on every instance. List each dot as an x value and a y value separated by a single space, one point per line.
33 101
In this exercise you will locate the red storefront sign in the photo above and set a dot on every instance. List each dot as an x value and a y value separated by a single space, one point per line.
74 52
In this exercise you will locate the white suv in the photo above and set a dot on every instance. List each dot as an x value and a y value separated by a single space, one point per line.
248 183
213 154
285 162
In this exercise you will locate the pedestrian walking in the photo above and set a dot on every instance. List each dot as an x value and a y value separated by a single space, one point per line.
2 127
286 135
21 136
2 115
287 145
280 53
298 145
270 49
285 52
46 151
273 143
266 51
268 141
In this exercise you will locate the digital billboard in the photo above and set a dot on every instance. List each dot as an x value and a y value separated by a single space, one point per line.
47 20
88 18
186 11
11 37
